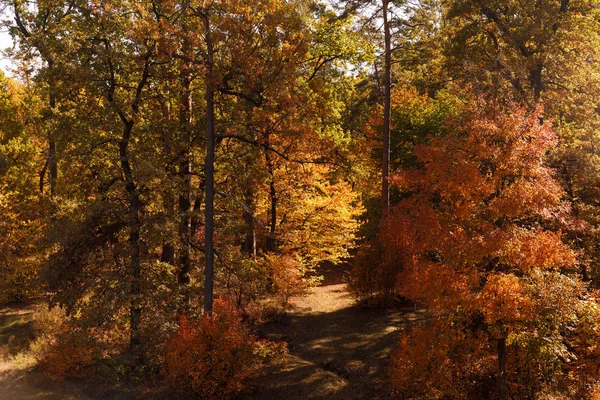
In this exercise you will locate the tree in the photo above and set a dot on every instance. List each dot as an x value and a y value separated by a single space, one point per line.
480 247
21 205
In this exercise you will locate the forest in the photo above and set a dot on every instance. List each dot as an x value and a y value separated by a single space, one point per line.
300 199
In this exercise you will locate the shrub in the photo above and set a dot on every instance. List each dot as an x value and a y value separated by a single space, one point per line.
290 276
442 359
72 354
373 276
66 347
243 279
211 357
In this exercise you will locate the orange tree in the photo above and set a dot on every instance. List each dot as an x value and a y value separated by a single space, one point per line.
479 243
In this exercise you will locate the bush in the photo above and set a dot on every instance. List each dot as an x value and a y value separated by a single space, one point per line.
290 276
373 277
211 357
71 356
442 359
66 347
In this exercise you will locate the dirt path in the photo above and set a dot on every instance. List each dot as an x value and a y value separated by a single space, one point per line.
338 350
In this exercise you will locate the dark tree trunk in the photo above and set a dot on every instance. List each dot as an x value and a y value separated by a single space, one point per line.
502 385
167 254
135 268
185 170
250 235
51 166
209 171
249 245
272 236
387 82
196 220
535 77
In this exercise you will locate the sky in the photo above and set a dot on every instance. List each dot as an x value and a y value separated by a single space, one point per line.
5 41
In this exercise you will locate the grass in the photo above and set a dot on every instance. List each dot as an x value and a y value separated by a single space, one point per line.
17 333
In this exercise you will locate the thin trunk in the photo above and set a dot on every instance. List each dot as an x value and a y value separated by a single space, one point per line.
249 246
196 220
168 249
535 77
502 385
167 255
185 170
135 269
272 237
51 165
209 171
570 192
250 236
387 82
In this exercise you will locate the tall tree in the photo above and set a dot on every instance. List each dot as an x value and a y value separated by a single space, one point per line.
477 242
35 28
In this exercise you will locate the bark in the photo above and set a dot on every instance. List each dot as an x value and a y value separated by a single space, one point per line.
209 171
135 269
185 170
52 161
502 385
196 220
387 82
535 77
250 236
51 165
134 202
272 236
249 245
168 249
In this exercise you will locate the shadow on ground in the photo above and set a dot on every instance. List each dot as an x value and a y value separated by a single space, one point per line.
338 350
19 381
33 385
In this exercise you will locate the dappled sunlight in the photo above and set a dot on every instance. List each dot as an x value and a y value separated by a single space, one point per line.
329 332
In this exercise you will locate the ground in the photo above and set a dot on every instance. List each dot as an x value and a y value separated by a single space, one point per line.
337 350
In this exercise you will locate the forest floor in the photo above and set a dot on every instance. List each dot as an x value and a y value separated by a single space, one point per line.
337 350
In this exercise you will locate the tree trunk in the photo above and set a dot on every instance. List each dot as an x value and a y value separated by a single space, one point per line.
185 170
209 171
502 385
272 236
135 269
535 77
387 82
249 245
250 235
196 220
167 254
51 166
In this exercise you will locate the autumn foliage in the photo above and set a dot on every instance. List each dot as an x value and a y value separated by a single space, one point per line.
211 357
479 241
